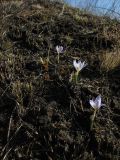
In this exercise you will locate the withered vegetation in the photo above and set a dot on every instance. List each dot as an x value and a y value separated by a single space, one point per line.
43 115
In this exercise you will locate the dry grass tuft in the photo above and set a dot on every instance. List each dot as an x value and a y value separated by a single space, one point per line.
110 61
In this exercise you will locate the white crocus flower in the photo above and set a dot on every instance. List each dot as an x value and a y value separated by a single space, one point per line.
79 65
96 104
59 50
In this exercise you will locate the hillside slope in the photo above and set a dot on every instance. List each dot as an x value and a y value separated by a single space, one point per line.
44 113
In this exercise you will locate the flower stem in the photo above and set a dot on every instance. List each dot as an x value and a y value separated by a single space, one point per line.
76 77
93 118
58 58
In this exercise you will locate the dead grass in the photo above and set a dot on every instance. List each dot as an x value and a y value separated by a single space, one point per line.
39 90
110 60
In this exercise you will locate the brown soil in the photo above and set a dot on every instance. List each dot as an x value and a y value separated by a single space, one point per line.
44 116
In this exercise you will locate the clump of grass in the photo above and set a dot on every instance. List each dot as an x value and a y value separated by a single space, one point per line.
19 89
110 61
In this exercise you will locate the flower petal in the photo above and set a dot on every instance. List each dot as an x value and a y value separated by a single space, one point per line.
57 48
98 101
83 64
76 65
61 49
92 103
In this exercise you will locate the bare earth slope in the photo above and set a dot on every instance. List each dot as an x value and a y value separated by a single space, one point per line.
43 114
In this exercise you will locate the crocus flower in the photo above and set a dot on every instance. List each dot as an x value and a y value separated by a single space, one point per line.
79 65
59 49
96 104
